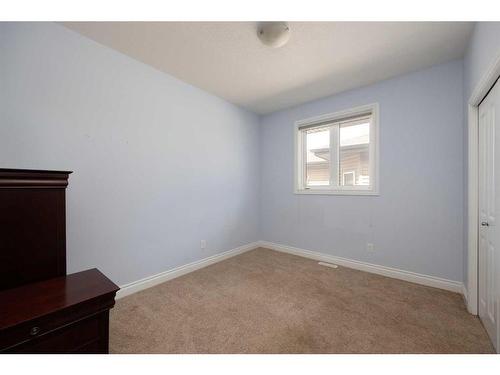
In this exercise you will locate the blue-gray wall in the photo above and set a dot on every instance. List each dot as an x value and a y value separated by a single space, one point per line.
482 51
416 223
158 164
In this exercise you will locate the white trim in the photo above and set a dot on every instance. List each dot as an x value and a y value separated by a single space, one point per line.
436 282
472 210
464 294
298 168
161 277
417 278
480 91
318 191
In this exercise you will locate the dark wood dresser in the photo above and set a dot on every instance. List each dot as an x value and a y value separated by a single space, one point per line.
43 310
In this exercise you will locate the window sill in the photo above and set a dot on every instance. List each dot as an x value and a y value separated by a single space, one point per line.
336 192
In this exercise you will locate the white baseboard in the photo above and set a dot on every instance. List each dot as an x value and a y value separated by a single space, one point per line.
417 278
466 297
436 282
161 277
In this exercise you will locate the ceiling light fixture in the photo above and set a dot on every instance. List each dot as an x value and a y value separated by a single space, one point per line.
273 34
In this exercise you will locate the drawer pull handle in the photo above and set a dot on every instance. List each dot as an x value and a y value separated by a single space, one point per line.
34 331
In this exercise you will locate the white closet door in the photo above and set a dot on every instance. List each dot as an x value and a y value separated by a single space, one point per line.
489 205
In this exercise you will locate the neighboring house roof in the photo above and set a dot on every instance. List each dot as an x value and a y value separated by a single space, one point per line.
322 155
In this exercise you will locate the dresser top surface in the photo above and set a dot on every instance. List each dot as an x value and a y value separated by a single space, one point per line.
27 302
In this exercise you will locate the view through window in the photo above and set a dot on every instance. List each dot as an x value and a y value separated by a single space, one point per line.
337 154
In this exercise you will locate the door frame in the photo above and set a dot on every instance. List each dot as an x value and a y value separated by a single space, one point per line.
481 89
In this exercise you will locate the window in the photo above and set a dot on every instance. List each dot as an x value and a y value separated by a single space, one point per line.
337 153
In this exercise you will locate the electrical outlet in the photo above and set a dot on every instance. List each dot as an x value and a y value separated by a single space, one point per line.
370 247
203 244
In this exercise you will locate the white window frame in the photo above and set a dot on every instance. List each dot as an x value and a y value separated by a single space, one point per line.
299 153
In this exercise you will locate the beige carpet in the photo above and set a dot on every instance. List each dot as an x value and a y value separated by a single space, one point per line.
268 302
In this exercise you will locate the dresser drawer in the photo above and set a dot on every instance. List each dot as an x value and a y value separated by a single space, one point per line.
41 326
68 314
85 336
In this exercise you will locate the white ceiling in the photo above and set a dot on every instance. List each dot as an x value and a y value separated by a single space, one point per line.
321 58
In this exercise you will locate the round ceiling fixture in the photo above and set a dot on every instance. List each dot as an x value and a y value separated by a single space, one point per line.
273 34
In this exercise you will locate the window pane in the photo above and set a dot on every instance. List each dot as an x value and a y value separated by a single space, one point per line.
318 157
354 154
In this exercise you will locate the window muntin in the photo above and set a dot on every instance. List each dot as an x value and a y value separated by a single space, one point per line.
337 153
